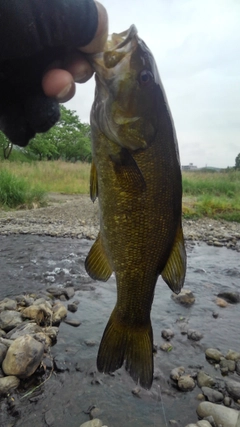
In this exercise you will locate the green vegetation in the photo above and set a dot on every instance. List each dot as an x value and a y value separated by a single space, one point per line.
68 140
52 176
65 153
237 162
212 194
15 192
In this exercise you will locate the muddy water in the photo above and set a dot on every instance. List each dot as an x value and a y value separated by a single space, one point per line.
32 263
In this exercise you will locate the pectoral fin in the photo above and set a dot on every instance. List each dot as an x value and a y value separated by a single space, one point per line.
93 182
96 263
175 269
127 168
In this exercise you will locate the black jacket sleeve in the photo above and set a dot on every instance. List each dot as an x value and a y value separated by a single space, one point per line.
33 34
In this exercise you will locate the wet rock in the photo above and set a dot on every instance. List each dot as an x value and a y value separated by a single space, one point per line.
41 313
43 339
166 346
231 297
176 373
2 333
90 343
6 342
9 319
136 391
191 425
47 362
233 388
173 423
72 307
213 396
24 329
23 357
238 367
194 335
57 291
72 322
8 304
232 355
204 380
221 414
218 244
167 334
221 302
8 383
186 383
69 292
210 419
59 313
96 381
200 396
52 332
213 354
227 401
60 363
95 412
24 300
185 297
93 423
203 423
43 301
229 364
3 351
49 418
215 314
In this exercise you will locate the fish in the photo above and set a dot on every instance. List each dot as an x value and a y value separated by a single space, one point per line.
136 176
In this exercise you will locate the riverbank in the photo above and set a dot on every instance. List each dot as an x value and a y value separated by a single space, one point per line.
77 216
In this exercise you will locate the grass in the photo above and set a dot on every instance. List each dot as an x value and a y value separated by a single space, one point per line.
15 192
56 176
212 194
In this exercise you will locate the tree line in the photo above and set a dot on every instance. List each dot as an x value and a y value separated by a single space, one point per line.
68 140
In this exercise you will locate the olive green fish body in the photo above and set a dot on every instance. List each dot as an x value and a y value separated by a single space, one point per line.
137 179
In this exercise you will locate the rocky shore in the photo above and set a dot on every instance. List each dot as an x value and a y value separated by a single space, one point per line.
77 216
30 323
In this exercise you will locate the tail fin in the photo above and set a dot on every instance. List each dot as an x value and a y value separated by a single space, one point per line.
134 345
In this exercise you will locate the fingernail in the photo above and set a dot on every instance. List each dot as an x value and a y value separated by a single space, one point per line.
64 92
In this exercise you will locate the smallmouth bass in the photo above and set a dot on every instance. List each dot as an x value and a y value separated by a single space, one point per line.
136 176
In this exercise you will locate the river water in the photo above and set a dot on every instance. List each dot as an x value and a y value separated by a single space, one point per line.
31 263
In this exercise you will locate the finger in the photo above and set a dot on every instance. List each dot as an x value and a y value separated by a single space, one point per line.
58 84
80 69
100 38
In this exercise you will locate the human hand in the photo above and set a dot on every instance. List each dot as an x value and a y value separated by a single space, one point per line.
60 82
41 58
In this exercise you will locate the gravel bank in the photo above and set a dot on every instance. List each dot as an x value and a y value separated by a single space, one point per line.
77 216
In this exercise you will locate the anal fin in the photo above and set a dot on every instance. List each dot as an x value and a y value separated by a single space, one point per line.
175 269
96 263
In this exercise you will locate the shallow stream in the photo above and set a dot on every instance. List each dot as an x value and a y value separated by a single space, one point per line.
30 263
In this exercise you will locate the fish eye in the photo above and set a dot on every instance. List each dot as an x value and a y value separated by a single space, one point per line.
145 77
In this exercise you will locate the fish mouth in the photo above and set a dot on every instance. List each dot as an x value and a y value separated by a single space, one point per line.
117 46
117 41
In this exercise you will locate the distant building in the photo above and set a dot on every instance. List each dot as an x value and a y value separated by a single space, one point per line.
190 167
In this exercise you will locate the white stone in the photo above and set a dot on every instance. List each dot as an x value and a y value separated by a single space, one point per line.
8 383
93 423
203 423
23 357
221 414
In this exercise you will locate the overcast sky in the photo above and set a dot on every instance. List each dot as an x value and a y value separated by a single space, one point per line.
196 45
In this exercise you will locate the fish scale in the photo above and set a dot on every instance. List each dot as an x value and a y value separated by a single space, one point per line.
136 176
